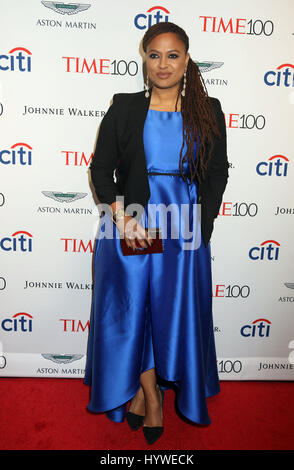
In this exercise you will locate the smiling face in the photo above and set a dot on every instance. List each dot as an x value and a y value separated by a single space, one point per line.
166 60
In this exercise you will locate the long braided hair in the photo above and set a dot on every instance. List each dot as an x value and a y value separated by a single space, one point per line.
199 122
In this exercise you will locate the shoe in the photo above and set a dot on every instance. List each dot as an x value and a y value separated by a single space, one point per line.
152 433
134 420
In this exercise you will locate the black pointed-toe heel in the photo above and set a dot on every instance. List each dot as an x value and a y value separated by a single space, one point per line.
152 433
134 420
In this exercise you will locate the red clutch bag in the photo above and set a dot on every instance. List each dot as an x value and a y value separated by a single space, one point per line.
157 246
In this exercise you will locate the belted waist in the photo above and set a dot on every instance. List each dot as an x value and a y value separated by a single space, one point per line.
187 175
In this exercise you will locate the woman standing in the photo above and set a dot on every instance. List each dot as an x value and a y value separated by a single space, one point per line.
151 320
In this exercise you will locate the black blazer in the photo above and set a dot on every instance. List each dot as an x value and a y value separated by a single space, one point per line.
120 149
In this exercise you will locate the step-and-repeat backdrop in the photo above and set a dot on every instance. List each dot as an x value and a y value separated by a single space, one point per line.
60 64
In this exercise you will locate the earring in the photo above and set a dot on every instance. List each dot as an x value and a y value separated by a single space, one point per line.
184 84
147 88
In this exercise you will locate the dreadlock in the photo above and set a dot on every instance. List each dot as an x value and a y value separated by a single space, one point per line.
199 121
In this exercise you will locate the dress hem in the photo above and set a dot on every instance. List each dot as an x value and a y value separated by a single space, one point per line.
200 423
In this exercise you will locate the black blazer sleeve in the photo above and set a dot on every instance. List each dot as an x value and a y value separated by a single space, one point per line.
217 172
105 157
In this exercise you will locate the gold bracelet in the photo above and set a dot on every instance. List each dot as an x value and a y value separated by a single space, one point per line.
117 215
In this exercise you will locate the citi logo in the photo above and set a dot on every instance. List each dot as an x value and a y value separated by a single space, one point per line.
154 15
18 154
21 321
17 59
280 77
258 328
277 165
18 241
268 250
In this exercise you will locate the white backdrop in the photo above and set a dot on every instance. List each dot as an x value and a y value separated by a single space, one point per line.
59 68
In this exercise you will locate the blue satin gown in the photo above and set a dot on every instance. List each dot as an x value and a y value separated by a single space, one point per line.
155 310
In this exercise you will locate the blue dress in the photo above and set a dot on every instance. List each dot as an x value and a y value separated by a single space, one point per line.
155 310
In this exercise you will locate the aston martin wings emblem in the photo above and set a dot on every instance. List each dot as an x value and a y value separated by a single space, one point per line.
62 358
290 285
64 197
66 8
207 66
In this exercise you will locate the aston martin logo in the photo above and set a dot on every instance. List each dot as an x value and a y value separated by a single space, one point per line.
64 197
290 285
207 66
62 358
66 8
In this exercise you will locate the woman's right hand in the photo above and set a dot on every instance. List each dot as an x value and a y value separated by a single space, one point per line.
132 231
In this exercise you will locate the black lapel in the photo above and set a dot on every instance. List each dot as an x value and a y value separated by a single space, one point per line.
141 104
140 109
